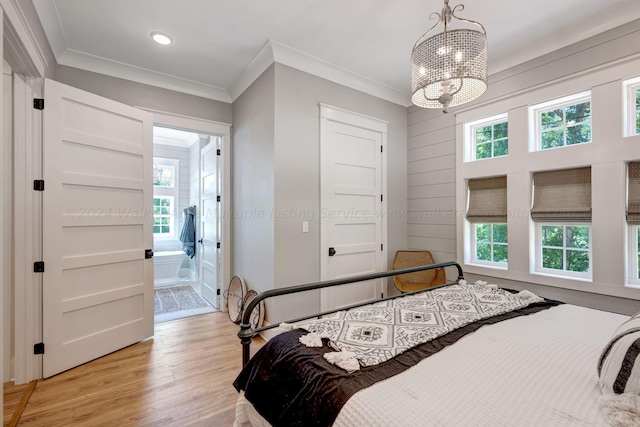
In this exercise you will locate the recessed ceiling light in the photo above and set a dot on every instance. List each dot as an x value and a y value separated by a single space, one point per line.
161 38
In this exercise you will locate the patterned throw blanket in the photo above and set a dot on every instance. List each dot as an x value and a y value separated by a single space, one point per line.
375 333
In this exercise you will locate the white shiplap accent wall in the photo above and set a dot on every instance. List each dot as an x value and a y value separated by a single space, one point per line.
431 180
432 139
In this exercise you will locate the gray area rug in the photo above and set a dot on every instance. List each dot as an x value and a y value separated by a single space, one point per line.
176 302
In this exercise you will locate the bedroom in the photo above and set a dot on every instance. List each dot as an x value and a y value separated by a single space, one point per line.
273 253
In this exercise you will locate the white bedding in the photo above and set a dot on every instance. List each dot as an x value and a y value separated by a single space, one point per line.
536 370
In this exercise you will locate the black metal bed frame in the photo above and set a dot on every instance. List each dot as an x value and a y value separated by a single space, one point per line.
247 332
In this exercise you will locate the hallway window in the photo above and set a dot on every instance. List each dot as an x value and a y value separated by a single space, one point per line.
165 195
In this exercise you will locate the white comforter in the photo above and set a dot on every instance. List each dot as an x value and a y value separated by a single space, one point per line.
537 370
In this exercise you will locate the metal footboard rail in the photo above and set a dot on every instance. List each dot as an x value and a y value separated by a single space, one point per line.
247 332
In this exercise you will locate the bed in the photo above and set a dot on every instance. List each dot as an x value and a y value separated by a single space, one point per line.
537 365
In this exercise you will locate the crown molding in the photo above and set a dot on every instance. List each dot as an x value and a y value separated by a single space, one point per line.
250 74
275 52
100 65
21 46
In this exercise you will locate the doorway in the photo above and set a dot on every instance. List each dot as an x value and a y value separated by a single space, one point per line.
188 254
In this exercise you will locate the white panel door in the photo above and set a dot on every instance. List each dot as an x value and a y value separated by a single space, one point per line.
351 206
97 224
210 268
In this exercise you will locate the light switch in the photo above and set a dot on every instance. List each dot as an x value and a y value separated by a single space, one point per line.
305 226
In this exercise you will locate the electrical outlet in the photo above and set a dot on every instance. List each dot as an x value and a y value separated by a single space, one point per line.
305 226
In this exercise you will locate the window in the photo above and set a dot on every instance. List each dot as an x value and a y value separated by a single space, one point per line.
165 195
489 244
633 221
487 213
634 255
487 138
562 212
562 122
632 106
162 209
564 248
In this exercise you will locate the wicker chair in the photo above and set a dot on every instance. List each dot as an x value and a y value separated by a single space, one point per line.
421 279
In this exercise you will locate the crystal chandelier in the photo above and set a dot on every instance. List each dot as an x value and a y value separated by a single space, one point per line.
449 68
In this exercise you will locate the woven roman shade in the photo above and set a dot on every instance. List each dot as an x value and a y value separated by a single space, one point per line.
487 200
633 201
563 195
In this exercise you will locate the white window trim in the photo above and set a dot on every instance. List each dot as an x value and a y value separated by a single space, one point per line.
470 139
535 118
629 96
169 191
562 273
632 278
474 253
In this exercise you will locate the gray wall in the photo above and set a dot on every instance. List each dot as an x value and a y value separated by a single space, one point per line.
253 183
282 160
297 165
141 95
432 147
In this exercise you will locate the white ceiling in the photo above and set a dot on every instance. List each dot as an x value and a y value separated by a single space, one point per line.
174 137
221 46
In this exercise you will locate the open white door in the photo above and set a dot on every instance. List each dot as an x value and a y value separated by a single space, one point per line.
352 225
97 226
210 267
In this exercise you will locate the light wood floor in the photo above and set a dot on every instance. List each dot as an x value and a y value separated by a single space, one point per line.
182 376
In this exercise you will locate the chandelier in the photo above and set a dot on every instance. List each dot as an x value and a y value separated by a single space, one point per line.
449 68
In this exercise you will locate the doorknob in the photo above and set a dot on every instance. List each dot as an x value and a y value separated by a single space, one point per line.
200 241
332 251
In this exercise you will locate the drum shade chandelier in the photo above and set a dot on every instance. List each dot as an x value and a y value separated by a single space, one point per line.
449 68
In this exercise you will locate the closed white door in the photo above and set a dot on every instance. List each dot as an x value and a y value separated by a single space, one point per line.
97 227
210 268
352 205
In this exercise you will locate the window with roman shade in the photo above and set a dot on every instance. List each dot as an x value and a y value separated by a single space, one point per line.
633 198
633 219
487 200
562 195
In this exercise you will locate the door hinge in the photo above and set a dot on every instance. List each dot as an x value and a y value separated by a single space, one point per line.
218 152
217 291
381 247
38 184
381 295
218 198
38 348
218 245
381 198
381 149
38 267
38 103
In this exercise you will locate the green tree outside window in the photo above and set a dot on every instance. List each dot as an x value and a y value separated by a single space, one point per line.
492 140
565 248
491 243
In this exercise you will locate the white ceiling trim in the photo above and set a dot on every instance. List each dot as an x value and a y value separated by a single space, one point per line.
274 51
250 74
112 68
23 48
293 58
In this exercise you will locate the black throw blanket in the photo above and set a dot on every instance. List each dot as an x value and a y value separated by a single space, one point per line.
291 384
